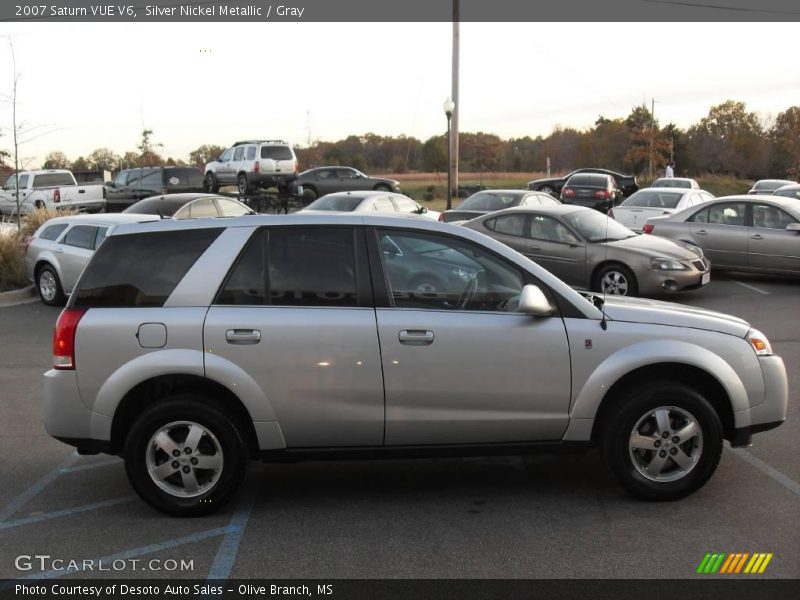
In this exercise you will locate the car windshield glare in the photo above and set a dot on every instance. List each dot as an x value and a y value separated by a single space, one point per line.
335 202
653 199
597 227
491 202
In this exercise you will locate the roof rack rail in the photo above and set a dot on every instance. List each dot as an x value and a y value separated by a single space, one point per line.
260 142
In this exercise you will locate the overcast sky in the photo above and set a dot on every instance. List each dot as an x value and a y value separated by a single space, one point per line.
100 84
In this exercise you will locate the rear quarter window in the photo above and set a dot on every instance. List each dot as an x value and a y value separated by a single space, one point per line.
140 269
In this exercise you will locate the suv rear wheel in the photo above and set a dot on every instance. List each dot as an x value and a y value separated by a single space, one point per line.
664 442
184 456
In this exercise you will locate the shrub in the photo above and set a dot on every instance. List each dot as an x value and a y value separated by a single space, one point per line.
12 262
32 221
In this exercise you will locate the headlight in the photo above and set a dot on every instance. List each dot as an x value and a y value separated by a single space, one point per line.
667 264
759 342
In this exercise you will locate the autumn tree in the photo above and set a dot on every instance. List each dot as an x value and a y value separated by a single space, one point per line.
79 164
56 160
785 139
103 159
204 154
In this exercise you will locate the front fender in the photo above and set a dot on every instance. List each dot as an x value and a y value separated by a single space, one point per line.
643 354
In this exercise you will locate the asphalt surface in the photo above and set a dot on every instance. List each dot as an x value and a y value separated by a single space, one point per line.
531 517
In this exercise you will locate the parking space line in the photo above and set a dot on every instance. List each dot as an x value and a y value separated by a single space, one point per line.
128 554
63 513
229 546
750 287
37 487
768 470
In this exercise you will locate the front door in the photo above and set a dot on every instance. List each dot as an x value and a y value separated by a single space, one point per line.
771 246
460 365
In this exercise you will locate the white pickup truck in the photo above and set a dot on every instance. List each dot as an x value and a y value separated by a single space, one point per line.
51 188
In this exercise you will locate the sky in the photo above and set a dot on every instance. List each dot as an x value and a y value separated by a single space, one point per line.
90 85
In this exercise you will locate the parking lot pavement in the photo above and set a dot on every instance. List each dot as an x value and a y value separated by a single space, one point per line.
537 516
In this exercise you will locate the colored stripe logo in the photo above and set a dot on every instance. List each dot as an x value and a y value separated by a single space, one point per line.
734 563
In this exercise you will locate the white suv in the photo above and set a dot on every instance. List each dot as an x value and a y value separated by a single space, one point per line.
253 164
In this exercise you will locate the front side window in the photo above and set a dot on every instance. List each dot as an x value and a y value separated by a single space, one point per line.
766 216
727 213
548 229
81 236
405 205
383 204
227 155
436 272
238 154
346 173
204 207
152 177
297 266
121 178
11 182
231 208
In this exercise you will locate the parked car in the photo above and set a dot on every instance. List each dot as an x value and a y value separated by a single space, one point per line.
50 188
592 190
482 203
653 202
788 191
291 338
59 250
742 233
589 250
132 185
626 183
675 182
767 186
327 180
190 206
253 164
370 202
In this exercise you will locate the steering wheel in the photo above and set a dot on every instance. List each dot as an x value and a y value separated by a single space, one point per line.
468 293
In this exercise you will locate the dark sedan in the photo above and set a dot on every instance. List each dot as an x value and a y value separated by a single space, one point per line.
327 180
788 191
592 190
626 183
189 206
488 201
767 186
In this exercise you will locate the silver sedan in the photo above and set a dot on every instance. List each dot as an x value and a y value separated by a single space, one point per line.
587 249
744 233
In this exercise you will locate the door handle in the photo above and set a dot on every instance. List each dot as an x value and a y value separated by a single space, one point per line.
243 336
757 236
534 248
701 232
81 191
59 251
415 337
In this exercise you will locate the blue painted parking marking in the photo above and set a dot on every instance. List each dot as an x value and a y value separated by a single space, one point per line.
37 487
229 547
63 513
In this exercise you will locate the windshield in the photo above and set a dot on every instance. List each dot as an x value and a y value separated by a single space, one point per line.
491 201
597 227
654 199
340 202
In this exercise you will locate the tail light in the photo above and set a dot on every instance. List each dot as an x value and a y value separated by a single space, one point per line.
602 194
648 228
28 240
57 196
610 212
256 167
568 192
64 338
441 218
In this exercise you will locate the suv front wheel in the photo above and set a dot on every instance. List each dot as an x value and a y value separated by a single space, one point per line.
663 442
184 456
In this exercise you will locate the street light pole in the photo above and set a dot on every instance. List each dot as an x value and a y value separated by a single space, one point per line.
449 107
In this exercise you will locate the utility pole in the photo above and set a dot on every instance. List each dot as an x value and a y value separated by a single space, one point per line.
454 95
652 134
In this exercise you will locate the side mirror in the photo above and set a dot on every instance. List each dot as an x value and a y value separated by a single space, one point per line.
532 301
421 210
794 227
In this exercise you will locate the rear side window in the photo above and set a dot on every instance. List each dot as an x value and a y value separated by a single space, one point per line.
313 266
276 152
81 236
51 232
140 269
251 153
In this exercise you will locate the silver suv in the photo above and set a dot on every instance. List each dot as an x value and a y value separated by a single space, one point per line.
337 336
253 164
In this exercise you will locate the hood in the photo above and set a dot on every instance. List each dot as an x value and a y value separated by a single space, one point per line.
658 312
655 246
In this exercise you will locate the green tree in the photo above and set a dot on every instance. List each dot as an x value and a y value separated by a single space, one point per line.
204 154
103 159
434 154
79 164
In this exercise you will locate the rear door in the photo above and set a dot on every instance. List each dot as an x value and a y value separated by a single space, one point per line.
460 366
296 315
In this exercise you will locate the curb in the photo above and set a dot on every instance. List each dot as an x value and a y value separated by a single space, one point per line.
21 296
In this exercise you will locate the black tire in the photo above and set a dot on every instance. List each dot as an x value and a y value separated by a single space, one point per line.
623 280
221 434
49 286
309 194
243 185
382 187
211 184
639 405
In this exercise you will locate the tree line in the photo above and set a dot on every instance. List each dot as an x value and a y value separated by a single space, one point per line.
729 140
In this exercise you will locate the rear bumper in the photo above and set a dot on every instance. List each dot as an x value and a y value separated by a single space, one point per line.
65 415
